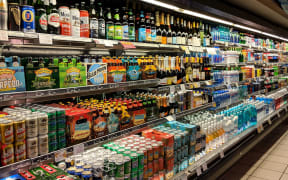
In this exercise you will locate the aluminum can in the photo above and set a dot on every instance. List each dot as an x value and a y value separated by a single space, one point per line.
28 18
3 14
75 22
14 17
65 25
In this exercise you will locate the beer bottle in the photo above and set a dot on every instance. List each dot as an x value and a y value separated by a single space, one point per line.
109 24
84 21
131 28
4 14
14 16
118 31
148 27
173 27
101 22
93 20
75 20
164 32
142 28
158 28
153 29
53 18
125 24
2 61
41 16
169 33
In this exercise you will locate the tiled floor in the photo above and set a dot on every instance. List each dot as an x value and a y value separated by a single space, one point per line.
268 160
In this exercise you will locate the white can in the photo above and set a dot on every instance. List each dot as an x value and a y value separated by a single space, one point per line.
42 123
32 147
75 22
43 144
31 123
65 22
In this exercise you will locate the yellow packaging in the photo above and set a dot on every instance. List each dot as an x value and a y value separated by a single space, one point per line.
20 150
19 130
6 130
7 154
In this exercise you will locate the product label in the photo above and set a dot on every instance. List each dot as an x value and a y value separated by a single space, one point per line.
133 73
99 126
142 34
174 40
82 129
96 74
207 40
148 35
179 40
158 39
94 28
43 79
48 169
28 16
169 40
131 33
153 35
43 21
101 31
75 22
53 20
125 29
64 19
139 117
113 123
109 31
118 32
84 23
149 72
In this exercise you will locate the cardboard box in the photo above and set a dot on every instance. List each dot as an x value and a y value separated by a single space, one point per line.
96 73
12 79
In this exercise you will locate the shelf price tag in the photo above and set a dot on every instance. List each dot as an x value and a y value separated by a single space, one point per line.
45 39
78 149
198 171
204 166
3 35
221 154
171 118
269 121
60 155
127 45
108 43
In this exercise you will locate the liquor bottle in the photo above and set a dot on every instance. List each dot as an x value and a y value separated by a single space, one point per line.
142 28
101 22
84 21
183 33
118 31
173 71
131 28
183 72
41 16
202 33
53 18
93 20
163 76
173 27
190 34
194 37
169 34
153 29
109 24
75 20
158 28
163 28
137 25
208 37
125 24
148 27
198 34
179 33
4 14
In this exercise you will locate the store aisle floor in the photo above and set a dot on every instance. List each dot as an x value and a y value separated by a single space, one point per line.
268 160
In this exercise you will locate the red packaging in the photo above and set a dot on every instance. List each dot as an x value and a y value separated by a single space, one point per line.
150 168
155 166
169 164
145 172
84 23
161 163
64 19
27 175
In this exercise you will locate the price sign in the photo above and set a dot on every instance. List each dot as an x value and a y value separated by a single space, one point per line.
3 35
204 166
172 89
226 43
127 45
60 155
221 154
45 39
269 121
78 149
171 118
108 43
198 171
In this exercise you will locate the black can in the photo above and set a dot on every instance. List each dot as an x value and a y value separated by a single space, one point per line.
14 17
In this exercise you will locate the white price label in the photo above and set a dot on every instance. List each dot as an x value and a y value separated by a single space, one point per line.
45 39
108 43
172 89
204 166
171 118
78 149
60 155
3 35
198 171
226 43
182 86
269 121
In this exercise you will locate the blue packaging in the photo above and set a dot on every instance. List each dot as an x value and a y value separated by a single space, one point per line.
96 73
12 79
14 177
28 18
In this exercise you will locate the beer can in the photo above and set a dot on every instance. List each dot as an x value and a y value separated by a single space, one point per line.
97 170
3 14
43 144
6 129
61 139
7 154
119 173
84 23
127 165
156 153
65 25
140 159
32 147
161 148
140 174
52 141
19 129
134 162
14 17
20 150
28 18
75 22
143 149
155 166
42 123
31 124
150 153
150 168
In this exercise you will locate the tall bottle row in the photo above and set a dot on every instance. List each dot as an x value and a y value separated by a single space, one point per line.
124 22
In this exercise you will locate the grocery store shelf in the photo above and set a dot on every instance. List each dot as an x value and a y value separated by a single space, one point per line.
228 147
50 157
7 99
